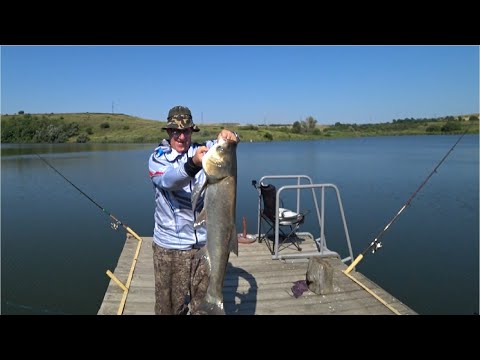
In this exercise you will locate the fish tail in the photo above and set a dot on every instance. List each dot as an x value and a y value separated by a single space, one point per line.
206 308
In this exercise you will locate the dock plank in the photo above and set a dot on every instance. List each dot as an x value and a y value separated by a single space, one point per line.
255 284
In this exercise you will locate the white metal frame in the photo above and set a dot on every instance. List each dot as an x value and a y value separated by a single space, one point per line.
322 249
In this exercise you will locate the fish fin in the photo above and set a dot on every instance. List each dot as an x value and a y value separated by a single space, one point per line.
203 255
197 191
201 219
234 240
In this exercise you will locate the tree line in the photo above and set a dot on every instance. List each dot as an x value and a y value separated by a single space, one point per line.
26 128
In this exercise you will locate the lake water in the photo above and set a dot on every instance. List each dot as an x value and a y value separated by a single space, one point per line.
56 245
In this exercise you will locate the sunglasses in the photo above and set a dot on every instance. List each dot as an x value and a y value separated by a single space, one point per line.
176 132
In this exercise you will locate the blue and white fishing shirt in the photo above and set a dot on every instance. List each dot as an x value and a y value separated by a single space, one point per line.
173 187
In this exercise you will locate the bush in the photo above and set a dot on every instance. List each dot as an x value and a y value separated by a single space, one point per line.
71 129
249 127
104 125
89 131
296 127
51 134
83 138
432 128
268 136
451 126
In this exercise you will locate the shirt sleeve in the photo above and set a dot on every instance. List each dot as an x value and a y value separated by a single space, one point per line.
171 175
164 174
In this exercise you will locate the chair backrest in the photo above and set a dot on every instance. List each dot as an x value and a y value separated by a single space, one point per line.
268 194
287 217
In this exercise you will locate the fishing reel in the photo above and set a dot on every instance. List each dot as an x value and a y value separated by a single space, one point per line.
114 225
377 245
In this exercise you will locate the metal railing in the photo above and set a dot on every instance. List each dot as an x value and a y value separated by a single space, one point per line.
321 242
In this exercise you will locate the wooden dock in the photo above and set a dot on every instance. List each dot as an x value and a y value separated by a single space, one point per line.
255 284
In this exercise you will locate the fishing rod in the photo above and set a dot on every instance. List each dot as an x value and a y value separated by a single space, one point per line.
125 287
375 245
115 222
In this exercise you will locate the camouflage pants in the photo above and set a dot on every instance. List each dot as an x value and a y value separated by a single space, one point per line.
180 280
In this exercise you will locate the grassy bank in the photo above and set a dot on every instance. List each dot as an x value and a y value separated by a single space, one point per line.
121 128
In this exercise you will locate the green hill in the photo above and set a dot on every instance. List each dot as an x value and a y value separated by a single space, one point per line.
121 128
92 127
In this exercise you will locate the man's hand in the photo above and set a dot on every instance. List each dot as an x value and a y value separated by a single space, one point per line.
228 135
197 158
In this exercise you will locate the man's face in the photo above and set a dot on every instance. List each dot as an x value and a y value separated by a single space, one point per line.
180 139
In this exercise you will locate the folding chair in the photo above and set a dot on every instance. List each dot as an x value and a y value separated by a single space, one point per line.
289 221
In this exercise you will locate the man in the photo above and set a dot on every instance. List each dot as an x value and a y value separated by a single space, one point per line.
174 168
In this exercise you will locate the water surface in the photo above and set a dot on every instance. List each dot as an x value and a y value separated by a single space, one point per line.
57 245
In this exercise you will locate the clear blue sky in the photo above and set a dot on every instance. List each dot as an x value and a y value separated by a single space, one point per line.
244 84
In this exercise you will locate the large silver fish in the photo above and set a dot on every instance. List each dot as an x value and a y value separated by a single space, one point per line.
220 166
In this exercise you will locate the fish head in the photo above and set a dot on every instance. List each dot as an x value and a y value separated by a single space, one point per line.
220 160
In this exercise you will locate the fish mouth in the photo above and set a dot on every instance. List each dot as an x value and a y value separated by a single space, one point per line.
214 157
216 162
